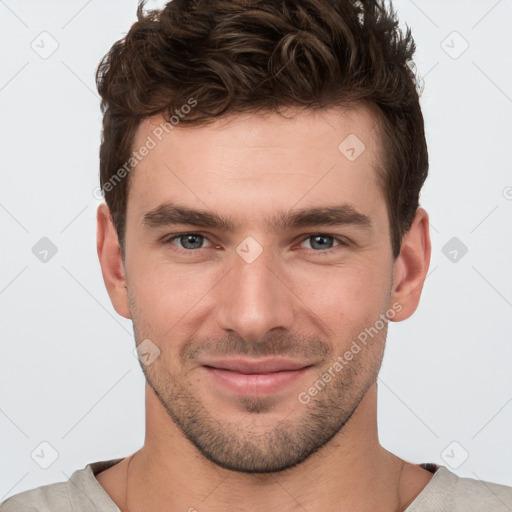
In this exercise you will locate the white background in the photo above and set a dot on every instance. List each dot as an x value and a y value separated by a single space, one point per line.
68 375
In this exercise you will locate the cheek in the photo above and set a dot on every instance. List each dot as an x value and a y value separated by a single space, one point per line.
343 295
163 294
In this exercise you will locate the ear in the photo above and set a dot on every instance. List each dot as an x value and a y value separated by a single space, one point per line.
411 266
112 267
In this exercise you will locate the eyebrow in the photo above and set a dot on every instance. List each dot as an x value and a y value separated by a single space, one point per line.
170 214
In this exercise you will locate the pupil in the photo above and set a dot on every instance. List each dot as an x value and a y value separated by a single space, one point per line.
186 239
321 245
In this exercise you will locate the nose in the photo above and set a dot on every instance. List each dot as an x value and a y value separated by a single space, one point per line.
255 298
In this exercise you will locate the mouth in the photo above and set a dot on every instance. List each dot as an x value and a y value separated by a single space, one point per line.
255 377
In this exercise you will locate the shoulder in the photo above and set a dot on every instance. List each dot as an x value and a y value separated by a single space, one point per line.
448 492
472 495
81 492
52 497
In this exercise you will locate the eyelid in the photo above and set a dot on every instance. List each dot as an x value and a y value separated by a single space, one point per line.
342 241
169 239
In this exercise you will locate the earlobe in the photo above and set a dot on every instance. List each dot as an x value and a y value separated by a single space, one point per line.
411 266
112 267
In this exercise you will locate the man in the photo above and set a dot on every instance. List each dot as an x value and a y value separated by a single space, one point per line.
261 163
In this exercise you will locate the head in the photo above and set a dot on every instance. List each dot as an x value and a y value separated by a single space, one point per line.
261 164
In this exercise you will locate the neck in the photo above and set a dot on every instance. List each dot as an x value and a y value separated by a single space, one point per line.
351 473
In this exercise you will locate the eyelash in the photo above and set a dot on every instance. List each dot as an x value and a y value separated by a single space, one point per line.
171 238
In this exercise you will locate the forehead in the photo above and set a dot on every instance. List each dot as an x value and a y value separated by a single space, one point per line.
261 160
293 129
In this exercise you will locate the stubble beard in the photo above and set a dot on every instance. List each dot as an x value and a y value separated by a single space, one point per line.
304 430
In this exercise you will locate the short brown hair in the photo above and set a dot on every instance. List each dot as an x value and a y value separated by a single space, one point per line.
234 56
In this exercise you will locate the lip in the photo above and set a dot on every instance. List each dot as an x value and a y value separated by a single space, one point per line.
255 377
256 366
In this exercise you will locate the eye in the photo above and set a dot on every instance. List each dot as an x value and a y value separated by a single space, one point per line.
187 241
192 242
323 242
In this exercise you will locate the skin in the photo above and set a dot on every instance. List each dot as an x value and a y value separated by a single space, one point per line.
207 448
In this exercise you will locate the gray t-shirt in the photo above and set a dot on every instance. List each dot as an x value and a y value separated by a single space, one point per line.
445 492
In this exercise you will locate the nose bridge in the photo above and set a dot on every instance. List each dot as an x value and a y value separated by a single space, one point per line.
252 299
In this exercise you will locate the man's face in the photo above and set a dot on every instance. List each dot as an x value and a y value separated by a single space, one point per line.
247 319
